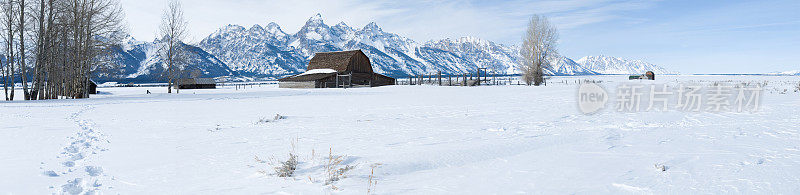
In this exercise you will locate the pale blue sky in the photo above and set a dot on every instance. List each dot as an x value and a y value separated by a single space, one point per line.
689 36
698 36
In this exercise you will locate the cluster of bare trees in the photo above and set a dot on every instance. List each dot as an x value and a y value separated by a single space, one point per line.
538 47
52 46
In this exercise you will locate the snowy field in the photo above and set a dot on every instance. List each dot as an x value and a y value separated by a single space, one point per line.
420 139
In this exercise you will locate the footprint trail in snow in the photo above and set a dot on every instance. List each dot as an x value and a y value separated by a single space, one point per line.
77 163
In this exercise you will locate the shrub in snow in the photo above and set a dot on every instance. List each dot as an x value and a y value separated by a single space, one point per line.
287 168
275 118
797 88
661 167
334 169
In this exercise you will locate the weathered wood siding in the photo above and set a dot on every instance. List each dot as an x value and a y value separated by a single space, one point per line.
381 80
197 86
359 63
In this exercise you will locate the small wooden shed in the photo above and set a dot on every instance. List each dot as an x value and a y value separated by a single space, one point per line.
92 87
336 70
197 83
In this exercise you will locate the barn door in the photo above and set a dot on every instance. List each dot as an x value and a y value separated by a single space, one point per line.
344 80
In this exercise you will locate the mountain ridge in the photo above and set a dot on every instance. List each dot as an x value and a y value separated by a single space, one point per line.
393 54
269 52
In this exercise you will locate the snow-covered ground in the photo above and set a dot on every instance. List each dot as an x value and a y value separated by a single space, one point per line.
421 139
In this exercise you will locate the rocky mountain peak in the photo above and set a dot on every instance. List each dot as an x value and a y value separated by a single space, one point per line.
372 27
315 20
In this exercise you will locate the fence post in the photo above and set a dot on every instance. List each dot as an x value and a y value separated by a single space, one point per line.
449 81
440 78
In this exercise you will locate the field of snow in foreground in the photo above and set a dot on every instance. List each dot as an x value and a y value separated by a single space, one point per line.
421 139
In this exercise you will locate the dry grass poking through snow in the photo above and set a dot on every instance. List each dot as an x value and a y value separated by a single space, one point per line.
287 168
328 169
280 167
797 88
276 118
372 180
334 169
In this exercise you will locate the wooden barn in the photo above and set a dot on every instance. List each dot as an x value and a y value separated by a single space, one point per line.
337 70
197 83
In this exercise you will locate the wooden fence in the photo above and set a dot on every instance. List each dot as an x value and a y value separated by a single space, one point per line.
481 77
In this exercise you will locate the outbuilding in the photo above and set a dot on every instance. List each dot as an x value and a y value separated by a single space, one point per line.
337 70
197 83
92 87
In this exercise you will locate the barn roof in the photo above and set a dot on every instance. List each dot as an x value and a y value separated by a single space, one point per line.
306 77
333 60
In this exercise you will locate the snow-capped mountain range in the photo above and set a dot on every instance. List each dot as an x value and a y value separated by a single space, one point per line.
139 61
791 72
614 65
270 52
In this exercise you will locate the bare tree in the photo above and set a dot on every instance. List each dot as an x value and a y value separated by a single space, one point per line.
172 32
9 18
22 29
538 46
42 23
69 41
92 28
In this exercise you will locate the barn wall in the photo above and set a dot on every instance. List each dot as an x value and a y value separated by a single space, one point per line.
380 80
197 86
362 79
358 79
304 84
359 63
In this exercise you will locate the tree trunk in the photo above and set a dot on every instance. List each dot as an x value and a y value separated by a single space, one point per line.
22 66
